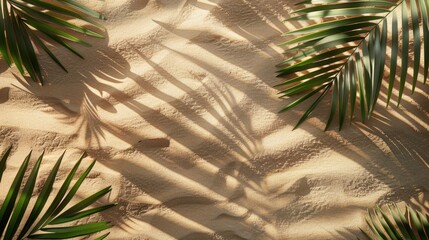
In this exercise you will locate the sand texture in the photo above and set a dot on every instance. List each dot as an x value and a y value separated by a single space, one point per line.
177 106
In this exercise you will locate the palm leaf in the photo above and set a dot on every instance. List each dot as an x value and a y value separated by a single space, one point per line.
26 26
15 205
396 224
348 48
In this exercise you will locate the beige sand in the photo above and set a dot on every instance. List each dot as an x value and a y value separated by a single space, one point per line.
177 106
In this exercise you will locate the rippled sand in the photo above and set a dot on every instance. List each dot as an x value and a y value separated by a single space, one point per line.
177 106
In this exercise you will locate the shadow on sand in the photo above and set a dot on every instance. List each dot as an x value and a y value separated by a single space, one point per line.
223 157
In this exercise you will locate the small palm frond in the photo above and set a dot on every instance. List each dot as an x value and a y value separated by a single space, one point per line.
26 24
397 225
43 223
345 53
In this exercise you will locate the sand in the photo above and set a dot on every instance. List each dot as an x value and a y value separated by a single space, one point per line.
177 107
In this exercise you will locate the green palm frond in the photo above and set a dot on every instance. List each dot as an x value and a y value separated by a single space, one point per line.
27 25
345 53
397 225
44 223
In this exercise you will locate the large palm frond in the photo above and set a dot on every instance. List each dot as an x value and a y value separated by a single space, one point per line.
27 25
394 224
345 53
44 223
